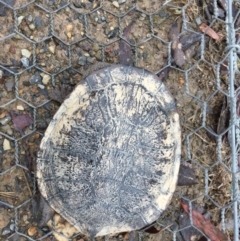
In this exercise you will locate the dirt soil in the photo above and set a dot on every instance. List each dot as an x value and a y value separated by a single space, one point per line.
46 56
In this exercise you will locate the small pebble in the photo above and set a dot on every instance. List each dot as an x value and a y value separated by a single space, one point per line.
163 14
25 217
69 27
41 86
32 231
52 49
20 107
198 21
25 53
115 4
9 85
7 129
69 35
32 26
25 62
6 145
1 74
17 36
38 22
45 229
35 79
90 60
29 18
5 120
77 4
112 33
12 225
20 18
45 78
12 49
121 1
144 55
6 231
82 60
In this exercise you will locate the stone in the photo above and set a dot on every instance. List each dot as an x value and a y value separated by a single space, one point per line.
20 107
26 53
41 86
45 78
32 26
9 85
82 60
19 20
5 120
52 49
6 145
115 4
32 231
25 62
7 129
69 28
35 79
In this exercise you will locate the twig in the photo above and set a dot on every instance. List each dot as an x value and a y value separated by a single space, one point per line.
197 134
28 187
8 194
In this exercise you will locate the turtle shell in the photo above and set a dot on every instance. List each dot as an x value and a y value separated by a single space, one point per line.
110 157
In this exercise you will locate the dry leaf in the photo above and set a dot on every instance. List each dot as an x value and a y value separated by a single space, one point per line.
186 176
125 52
189 40
223 120
177 52
20 122
200 222
209 31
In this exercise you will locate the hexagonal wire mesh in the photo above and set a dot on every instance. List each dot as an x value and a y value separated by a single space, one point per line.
46 48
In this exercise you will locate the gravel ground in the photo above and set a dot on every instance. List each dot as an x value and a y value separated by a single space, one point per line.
52 46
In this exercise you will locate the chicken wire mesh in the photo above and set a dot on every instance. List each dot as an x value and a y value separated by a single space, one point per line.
48 46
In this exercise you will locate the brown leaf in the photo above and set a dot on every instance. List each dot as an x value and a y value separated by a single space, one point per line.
60 93
186 176
41 211
190 53
223 121
205 225
188 232
223 4
163 74
177 52
209 31
21 121
125 52
189 40
174 31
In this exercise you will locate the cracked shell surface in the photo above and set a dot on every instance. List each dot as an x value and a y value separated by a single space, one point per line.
109 160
